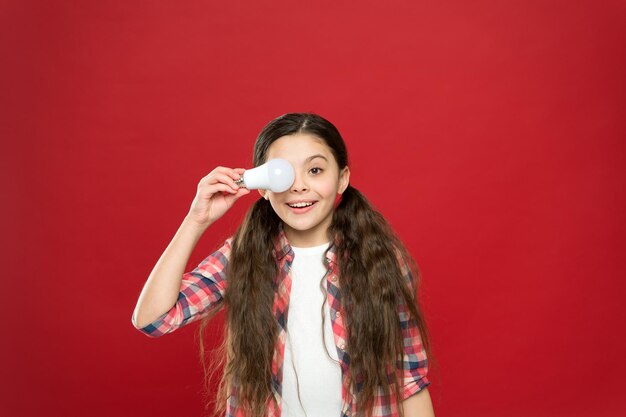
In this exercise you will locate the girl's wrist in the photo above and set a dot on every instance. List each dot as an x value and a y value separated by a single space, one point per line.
194 225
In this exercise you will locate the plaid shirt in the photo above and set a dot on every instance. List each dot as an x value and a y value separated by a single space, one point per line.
203 289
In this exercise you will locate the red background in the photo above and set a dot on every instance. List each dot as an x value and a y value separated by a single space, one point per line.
489 133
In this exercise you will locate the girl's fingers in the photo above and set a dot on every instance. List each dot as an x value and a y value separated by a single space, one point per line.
224 175
233 173
213 188
237 195
225 179
236 173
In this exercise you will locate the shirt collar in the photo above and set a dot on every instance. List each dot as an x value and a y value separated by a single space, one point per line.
282 248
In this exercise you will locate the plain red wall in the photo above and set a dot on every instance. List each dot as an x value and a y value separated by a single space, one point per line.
489 133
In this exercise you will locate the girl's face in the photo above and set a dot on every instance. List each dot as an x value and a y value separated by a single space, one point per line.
317 181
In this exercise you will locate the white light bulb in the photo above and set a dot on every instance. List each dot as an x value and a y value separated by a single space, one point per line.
276 174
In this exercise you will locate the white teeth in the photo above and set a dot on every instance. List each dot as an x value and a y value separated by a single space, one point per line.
300 205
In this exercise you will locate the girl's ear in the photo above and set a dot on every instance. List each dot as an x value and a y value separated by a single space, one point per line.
264 194
344 180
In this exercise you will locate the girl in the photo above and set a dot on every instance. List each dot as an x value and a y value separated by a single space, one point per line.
322 316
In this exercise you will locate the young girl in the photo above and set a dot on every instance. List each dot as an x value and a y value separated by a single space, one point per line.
322 316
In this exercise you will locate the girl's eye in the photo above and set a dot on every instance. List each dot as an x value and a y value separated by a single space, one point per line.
319 170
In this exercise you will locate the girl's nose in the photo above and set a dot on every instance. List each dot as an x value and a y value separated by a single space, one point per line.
298 184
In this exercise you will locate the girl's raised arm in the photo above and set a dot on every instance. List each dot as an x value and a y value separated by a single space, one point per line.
217 192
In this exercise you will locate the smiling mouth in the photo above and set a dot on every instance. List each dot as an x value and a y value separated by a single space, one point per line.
301 205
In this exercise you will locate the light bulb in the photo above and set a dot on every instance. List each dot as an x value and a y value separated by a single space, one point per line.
276 175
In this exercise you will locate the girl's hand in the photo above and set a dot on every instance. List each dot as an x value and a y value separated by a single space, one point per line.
217 192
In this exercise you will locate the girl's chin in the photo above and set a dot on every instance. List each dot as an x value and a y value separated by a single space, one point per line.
300 225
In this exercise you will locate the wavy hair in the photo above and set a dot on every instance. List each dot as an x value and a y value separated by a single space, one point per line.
370 277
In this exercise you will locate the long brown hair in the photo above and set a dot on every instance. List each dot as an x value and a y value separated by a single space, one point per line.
371 282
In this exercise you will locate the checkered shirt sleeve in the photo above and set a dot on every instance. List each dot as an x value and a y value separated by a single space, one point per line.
415 362
201 291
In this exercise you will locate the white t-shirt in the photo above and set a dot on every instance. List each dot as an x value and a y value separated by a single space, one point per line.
318 376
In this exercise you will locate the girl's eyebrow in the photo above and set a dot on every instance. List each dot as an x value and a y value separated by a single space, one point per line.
310 158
